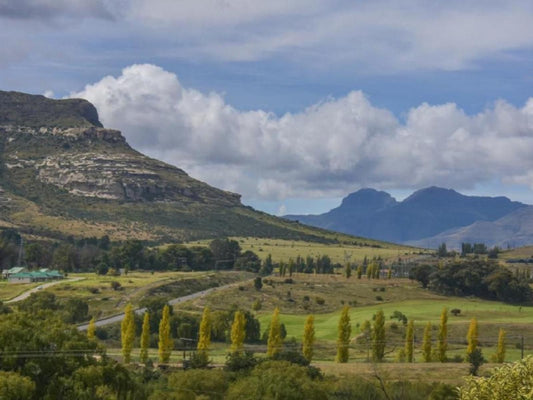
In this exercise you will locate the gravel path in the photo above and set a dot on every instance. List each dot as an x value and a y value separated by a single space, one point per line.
119 317
27 294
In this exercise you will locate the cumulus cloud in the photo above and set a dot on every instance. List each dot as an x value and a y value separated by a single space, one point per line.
332 147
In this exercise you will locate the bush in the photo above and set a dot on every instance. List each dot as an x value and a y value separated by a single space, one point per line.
240 361
115 285
379 298
320 301
455 311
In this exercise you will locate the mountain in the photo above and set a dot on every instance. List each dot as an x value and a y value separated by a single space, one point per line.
514 229
63 174
426 213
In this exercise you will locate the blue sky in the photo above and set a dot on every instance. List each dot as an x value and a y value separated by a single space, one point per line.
296 104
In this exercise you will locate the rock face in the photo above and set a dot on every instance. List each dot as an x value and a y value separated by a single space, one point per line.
63 174
88 160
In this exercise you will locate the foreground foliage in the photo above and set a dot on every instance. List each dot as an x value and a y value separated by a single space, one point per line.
512 381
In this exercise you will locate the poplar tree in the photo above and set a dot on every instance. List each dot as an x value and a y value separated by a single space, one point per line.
500 352
348 270
238 332
145 338
389 274
443 335
426 343
343 339
204 334
359 271
91 330
472 337
275 340
378 337
165 342
409 338
127 333
309 338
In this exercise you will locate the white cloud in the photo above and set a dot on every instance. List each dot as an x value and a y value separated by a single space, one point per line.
381 35
328 149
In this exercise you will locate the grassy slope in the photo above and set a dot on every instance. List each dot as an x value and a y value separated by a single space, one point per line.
345 250
399 295
104 301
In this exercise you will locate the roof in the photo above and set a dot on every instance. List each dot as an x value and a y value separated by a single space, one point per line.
16 270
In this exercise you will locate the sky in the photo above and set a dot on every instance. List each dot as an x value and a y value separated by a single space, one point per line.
295 104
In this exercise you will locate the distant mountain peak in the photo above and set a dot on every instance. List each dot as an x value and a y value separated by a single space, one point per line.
367 195
425 213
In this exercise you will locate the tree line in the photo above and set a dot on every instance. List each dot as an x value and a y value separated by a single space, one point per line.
481 278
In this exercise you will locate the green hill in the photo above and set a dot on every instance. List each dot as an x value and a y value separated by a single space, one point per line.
62 174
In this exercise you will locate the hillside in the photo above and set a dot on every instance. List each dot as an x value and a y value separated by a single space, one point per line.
512 230
63 174
426 213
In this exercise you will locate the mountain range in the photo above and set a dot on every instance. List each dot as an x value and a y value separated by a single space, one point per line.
429 217
63 174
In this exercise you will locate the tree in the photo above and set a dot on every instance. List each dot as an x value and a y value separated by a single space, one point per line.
15 387
343 338
272 380
422 273
225 252
91 330
409 341
204 335
165 342
348 271
127 333
238 332
511 381
426 343
500 352
258 283
442 345
442 251
309 338
145 338
378 337
275 341
472 337
359 271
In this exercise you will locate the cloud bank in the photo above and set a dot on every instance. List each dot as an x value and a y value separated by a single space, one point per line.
328 149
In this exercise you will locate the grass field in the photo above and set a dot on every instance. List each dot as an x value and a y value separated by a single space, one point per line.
283 250
10 290
397 295
103 300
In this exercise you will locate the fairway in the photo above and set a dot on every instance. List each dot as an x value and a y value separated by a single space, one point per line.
421 311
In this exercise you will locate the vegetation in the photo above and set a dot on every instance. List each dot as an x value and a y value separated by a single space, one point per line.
165 341
512 381
484 279
145 338
344 332
378 337
275 340
308 338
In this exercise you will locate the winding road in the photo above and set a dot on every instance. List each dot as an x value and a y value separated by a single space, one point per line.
27 293
119 317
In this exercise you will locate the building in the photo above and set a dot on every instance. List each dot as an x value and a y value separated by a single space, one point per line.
42 275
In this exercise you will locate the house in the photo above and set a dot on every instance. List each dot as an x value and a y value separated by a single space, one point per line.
11 271
43 275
